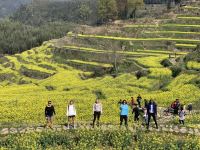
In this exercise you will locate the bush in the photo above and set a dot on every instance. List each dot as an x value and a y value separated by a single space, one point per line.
166 63
99 94
50 88
98 72
193 56
176 70
66 89
23 81
141 73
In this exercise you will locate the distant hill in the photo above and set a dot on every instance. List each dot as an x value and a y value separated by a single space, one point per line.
9 6
43 11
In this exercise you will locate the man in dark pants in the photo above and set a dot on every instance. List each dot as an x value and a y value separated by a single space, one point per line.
97 111
136 110
124 113
49 112
152 112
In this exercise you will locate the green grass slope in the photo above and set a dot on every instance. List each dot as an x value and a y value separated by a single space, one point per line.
103 64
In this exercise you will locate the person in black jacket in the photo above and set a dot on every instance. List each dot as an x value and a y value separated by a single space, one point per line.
152 112
145 103
176 107
136 110
49 112
139 99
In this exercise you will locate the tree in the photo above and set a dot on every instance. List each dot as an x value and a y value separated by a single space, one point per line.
107 9
169 4
122 6
177 1
85 12
133 6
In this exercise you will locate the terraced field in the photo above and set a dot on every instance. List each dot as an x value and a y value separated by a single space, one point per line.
87 66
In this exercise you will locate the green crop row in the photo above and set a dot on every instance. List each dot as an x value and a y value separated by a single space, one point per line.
91 63
171 32
192 7
99 139
193 65
186 46
162 25
189 18
129 53
138 39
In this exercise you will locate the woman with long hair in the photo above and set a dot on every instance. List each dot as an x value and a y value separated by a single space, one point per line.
71 113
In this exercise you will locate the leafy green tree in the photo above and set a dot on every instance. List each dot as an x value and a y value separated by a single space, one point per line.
133 6
122 8
107 9
85 12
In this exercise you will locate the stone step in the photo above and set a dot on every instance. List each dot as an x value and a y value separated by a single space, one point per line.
59 128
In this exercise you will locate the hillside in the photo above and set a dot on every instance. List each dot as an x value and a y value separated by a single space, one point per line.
156 54
110 62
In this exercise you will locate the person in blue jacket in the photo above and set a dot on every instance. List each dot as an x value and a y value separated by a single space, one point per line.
124 113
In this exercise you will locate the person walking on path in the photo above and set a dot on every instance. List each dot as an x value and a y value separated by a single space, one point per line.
97 111
139 99
152 112
49 112
182 116
136 110
124 113
71 114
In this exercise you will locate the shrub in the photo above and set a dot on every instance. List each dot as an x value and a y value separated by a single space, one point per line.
23 81
166 63
66 89
193 56
50 88
99 94
100 72
176 70
141 73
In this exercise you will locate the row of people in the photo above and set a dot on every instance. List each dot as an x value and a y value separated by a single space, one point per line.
71 113
150 111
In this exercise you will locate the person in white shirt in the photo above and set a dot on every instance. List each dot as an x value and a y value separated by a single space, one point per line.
97 111
71 113
182 116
